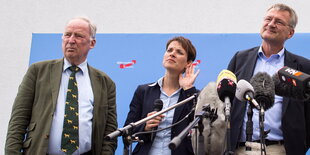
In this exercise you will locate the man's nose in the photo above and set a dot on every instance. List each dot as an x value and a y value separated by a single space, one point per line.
272 23
72 39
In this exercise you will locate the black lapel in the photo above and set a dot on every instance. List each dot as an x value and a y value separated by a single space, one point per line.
250 61
290 61
151 95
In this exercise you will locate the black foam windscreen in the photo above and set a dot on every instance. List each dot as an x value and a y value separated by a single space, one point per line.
264 89
226 88
281 88
294 77
158 105
288 90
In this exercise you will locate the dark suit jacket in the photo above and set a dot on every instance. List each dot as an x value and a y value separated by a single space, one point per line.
34 106
143 103
295 113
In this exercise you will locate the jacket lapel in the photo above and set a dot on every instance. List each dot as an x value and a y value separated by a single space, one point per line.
95 84
153 94
249 69
290 61
55 78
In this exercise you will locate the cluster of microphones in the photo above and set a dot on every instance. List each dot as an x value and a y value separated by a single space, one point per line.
261 89
259 93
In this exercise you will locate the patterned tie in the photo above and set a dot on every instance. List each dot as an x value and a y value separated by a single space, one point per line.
70 132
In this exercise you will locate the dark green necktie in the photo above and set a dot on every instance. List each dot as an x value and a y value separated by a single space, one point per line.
70 132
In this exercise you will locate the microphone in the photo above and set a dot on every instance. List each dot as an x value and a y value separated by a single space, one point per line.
264 90
294 77
205 116
282 88
213 130
288 90
158 105
264 95
226 88
245 92
209 96
287 87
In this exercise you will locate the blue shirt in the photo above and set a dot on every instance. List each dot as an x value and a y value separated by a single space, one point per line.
273 116
163 138
86 101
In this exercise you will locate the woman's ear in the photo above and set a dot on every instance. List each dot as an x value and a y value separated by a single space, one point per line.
189 63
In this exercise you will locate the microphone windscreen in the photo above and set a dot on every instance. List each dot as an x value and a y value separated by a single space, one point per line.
158 105
226 85
294 77
281 88
213 131
226 88
208 96
264 89
226 74
285 89
243 88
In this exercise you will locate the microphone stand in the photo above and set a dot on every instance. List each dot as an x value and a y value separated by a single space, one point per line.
205 113
262 132
249 127
127 145
129 139
227 120
213 116
121 131
200 149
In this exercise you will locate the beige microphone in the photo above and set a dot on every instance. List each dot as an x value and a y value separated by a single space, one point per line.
214 133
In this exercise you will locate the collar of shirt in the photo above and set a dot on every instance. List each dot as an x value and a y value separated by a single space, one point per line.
261 55
160 83
82 66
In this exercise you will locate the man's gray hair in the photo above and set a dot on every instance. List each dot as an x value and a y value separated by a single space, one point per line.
92 26
283 7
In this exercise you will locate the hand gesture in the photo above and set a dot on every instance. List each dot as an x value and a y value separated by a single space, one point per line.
187 79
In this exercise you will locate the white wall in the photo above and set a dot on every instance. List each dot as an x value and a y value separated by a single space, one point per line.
19 19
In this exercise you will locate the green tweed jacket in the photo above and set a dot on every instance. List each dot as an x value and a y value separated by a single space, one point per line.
34 106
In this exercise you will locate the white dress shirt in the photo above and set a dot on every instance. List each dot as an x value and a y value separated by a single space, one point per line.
273 116
86 101
163 138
